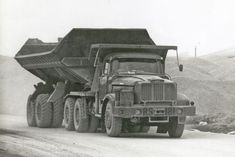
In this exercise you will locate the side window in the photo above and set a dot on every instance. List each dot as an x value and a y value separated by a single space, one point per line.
106 68
115 65
159 67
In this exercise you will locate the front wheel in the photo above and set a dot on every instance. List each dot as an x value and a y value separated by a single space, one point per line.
113 125
175 130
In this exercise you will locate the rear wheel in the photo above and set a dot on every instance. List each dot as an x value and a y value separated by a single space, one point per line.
113 124
68 113
31 119
57 113
175 130
81 121
43 111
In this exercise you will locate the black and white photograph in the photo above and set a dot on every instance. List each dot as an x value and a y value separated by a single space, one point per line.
117 78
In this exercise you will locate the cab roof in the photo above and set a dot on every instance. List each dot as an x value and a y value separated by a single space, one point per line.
102 50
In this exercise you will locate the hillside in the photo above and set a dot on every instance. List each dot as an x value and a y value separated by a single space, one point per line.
210 82
15 84
229 53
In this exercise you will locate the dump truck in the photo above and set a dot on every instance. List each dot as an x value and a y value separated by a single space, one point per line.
112 80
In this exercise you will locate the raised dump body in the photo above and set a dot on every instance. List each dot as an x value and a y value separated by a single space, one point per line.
111 79
69 59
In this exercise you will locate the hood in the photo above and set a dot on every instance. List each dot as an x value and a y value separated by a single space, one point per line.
131 80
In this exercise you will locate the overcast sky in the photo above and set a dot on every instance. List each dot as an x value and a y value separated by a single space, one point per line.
207 24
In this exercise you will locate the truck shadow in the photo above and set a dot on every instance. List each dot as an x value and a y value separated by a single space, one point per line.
144 135
9 132
189 134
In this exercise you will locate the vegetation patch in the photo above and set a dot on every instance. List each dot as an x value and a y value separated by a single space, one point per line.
217 123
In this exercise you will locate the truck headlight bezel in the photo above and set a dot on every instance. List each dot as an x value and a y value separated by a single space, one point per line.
124 95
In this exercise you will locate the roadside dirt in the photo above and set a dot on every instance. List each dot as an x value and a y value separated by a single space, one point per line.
17 140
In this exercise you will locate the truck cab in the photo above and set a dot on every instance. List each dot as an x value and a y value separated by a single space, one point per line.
134 92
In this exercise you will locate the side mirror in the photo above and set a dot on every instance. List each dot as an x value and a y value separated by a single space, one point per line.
181 67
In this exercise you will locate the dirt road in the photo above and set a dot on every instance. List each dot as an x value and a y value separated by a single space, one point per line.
17 139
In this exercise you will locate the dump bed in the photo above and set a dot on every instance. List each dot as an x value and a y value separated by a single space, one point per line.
69 58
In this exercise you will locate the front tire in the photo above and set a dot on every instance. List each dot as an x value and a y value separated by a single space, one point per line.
43 111
31 119
175 130
113 125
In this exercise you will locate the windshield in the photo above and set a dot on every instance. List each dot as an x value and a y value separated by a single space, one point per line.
138 65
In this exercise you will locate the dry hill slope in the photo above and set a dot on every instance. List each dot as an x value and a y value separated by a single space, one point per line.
210 82
202 81
15 84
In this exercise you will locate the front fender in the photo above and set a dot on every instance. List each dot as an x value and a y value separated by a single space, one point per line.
108 97
182 100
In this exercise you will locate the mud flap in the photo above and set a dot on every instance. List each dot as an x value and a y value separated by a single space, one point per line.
58 92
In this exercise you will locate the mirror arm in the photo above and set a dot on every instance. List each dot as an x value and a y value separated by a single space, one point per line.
177 56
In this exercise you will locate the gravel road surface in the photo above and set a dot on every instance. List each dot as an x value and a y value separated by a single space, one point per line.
17 139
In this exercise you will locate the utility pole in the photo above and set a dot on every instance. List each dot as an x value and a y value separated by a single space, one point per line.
195 52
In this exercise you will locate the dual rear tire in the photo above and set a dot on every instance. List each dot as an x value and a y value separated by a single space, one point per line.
44 114
43 111
68 114
81 121
77 118
31 119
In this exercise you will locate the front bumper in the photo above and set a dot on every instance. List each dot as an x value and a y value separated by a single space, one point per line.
153 111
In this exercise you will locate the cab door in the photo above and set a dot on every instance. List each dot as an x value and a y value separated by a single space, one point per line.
103 81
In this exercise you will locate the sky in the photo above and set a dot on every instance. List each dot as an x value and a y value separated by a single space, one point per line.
208 25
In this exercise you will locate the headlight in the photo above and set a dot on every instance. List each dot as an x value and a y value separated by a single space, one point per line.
126 98
124 95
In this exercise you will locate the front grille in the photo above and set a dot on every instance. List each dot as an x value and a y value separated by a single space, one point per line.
158 91
146 91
